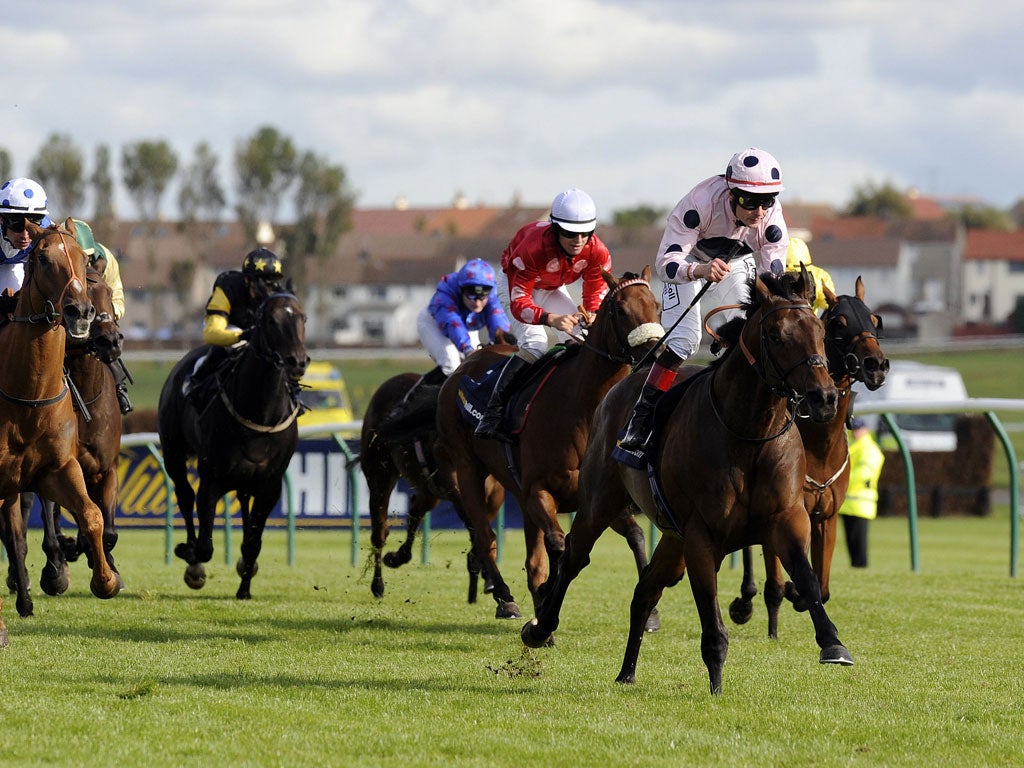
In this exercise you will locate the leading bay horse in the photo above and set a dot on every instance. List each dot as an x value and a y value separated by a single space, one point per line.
99 436
542 467
38 434
852 353
727 472
243 438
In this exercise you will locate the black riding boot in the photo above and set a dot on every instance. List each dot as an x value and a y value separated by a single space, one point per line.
631 449
121 387
638 428
490 423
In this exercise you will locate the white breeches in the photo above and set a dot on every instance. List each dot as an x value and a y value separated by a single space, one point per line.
534 340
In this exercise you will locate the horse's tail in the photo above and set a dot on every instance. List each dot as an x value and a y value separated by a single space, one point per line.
411 418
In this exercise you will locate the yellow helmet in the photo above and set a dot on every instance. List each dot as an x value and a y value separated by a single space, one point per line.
798 253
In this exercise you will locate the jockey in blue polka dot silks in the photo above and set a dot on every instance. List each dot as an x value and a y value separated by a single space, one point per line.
720 235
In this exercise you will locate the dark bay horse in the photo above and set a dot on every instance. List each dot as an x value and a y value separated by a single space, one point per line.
542 468
728 468
243 438
38 435
411 457
87 362
852 353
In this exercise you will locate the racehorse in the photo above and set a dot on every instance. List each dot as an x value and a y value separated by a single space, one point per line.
727 472
853 354
410 456
243 437
38 438
87 362
542 468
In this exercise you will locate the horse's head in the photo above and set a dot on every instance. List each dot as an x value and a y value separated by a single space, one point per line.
628 321
105 337
279 334
54 289
791 345
851 338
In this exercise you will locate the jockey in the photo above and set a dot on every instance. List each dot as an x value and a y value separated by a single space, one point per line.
709 246
798 253
20 200
231 309
464 302
102 260
540 260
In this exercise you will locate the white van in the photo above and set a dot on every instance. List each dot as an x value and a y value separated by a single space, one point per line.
913 384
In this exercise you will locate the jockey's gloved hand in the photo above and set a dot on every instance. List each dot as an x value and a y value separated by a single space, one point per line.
778 268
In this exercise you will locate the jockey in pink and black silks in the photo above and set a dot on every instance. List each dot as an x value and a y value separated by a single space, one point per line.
463 304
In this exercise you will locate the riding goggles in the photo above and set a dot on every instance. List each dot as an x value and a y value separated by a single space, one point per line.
15 222
751 202
476 291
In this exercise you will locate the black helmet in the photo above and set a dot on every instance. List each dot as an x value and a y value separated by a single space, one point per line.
263 264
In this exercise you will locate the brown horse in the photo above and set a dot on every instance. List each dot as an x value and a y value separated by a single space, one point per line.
853 354
38 435
542 468
409 456
243 438
727 473
99 436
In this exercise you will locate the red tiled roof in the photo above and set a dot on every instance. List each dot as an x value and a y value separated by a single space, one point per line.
993 245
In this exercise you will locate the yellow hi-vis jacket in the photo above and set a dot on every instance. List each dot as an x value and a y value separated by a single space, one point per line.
866 460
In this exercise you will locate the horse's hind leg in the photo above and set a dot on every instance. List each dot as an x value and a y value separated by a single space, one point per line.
252 539
14 536
54 579
381 479
627 527
422 502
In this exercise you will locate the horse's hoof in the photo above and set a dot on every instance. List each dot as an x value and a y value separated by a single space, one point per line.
53 581
184 551
396 559
653 622
24 607
377 587
740 610
533 637
488 585
195 576
507 609
240 568
836 654
105 590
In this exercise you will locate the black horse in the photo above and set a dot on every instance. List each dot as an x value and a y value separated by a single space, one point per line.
242 432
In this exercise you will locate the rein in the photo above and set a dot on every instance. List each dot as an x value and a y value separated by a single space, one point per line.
51 315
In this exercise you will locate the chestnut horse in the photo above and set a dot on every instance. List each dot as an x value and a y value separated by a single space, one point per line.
727 472
243 438
542 468
853 354
38 438
411 457
99 436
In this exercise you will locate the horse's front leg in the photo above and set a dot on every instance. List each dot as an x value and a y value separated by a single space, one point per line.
12 529
795 561
66 487
741 609
107 502
55 577
198 549
665 569
252 537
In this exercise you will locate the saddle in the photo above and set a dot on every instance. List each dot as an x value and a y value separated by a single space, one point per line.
474 394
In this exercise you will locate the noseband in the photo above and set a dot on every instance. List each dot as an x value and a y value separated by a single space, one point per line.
635 338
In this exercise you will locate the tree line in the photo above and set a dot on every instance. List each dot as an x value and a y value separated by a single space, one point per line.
269 172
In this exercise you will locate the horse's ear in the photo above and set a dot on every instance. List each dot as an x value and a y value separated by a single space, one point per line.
646 273
830 298
69 225
859 291
609 278
289 285
762 290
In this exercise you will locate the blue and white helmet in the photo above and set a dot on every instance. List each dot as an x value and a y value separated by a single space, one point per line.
23 196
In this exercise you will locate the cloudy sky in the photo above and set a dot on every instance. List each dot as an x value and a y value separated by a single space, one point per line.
633 100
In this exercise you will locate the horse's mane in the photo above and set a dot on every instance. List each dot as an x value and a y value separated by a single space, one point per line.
783 286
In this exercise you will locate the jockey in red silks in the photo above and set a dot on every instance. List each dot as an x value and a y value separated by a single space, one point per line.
540 260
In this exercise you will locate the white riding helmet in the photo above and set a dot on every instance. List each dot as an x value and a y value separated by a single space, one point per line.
23 196
754 170
574 211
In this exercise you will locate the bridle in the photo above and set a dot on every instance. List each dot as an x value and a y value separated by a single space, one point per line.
50 314
627 340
